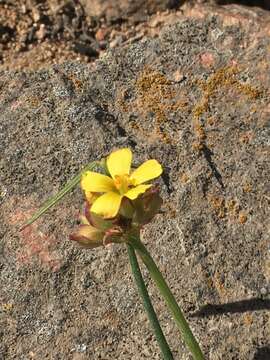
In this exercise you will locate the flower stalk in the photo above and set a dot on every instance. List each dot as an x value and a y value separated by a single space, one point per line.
119 202
163 345
165 291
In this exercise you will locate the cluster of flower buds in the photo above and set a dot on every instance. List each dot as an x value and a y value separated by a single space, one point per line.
95 231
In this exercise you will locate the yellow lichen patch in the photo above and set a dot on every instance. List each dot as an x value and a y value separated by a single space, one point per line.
242 218
247 319
156 95
246 137
7 307
218 204
155 91
224 77
248 90
219 285
200 108
247 187
233 207
34 101
77 83
211 121
199 130
225 208
150 79
184 178
171 211
227 77
197 146
234 210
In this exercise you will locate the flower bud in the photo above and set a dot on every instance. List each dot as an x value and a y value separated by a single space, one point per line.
126 209
95 231
88 236
146 207
96 220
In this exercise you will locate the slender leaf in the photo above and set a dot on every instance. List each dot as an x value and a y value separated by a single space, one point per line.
162 342
167 295
56 198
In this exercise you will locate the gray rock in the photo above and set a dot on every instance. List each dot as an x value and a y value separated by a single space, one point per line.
208 128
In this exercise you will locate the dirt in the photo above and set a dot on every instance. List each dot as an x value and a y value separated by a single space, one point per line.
38 33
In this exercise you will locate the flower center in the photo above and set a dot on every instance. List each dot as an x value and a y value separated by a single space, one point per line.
122 183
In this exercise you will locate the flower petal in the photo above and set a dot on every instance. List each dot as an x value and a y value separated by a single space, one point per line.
88 236
135 192
119 162
95 182
91 196
107 205
96 220
147 171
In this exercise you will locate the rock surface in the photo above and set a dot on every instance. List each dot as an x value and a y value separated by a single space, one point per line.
122 9
196 98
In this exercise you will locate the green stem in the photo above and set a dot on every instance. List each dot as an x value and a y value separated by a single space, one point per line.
169 298
163 345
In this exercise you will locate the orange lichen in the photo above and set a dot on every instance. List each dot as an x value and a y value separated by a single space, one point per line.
233 207
242 217
157 95
197 146
7 307
224 77
218 204
219 285
154 89
224 208
211 121
199 130
227 77
34 101
247 188
77 83
248 90
246 137
200 108
171 211
184 178
247 319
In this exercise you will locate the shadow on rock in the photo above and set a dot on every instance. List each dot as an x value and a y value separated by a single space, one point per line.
242 306
208 157
262 353
264 4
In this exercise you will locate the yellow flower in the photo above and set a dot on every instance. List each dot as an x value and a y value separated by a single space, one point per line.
121 184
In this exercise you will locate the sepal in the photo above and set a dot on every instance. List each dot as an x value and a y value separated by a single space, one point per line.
88 236
146 207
